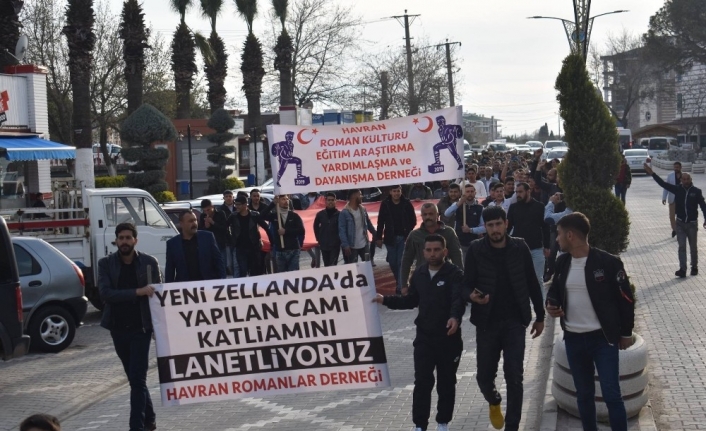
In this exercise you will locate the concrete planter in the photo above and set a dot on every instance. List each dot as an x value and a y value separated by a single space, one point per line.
633 380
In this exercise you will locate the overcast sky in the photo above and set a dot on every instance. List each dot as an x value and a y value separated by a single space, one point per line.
508 63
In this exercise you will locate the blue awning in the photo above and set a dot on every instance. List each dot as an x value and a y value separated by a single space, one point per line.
23 148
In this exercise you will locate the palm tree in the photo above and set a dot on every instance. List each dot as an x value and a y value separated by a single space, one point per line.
9 30
134 36
216 71
81 40
283 55
183 60
251 66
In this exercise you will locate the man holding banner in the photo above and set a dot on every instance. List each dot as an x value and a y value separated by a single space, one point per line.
288 235
436 289
124 281
353 227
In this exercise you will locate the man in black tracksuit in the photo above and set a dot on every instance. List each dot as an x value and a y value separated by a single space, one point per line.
500 281
326 231
525 219
687 200
435 287
591 294
395 221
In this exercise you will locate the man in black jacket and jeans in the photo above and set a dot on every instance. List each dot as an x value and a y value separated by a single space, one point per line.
687 200
500 282
124 283
591 294
326 231
435 287
395 221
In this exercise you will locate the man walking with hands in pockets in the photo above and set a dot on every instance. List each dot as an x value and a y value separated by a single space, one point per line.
435 287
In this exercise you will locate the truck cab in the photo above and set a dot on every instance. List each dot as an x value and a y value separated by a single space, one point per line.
82 227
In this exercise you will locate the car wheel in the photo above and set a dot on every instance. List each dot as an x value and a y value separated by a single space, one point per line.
52 329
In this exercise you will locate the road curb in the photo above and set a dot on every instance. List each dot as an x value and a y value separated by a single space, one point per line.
550 411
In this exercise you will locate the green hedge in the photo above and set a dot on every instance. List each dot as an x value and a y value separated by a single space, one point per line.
165 196
105 182
232 183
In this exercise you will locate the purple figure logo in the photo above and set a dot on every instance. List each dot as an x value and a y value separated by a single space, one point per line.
448 134
284 151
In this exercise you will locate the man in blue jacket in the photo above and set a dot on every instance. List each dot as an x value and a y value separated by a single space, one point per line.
193 255
353 227
124 283
687 200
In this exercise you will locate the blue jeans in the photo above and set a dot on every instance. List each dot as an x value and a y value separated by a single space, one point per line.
133 349
394 258
538 262
287 260
583 351
620 191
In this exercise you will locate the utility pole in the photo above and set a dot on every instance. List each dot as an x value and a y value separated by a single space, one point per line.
449 70
384 100
413 106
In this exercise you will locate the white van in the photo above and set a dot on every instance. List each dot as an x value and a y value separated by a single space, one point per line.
660 145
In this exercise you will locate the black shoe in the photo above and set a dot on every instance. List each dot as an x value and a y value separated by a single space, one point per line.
694 270
151 426
681 273
674 233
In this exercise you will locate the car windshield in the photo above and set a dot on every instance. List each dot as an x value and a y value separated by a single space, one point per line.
635 153
499 147
552 144
559 154
658 144
467 147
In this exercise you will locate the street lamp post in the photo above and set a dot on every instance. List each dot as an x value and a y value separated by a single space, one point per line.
191 171
578 31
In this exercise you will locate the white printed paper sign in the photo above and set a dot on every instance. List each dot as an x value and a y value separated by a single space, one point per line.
414 149
304 331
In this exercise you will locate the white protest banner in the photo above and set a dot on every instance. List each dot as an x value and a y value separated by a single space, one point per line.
304 331
418 148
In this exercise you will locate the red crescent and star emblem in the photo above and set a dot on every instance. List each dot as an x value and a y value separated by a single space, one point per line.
426 129
301 140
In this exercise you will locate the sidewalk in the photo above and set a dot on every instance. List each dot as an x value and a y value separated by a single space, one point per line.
670 316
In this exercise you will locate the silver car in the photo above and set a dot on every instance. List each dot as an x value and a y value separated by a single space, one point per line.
52 294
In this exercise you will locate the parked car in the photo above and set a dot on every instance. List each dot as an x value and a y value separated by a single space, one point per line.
498 147
551 144
13 342
523 148
467 150
52 292
636 158
534 145
555 153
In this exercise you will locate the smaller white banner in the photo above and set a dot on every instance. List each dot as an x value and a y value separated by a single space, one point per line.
304 331
418 148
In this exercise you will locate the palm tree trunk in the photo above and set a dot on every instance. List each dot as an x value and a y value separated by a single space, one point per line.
216 73
283 63
184 67
253 72
81 40
134 36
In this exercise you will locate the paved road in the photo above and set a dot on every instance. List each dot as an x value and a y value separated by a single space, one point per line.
85 387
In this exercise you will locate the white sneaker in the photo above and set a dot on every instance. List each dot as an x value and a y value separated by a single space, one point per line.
442 427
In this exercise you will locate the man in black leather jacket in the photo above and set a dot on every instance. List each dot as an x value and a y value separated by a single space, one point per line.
591 294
